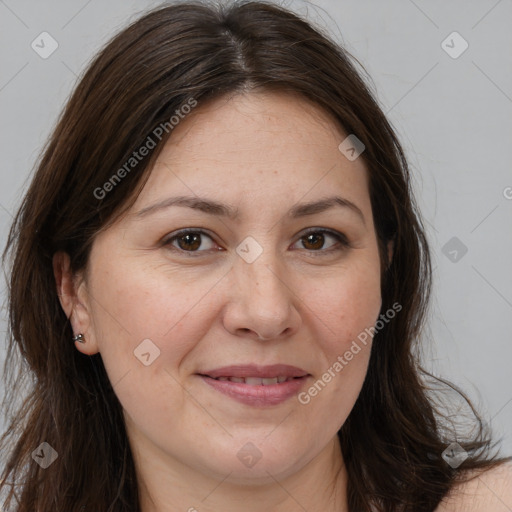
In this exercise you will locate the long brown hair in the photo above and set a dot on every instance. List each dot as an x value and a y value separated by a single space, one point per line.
394 437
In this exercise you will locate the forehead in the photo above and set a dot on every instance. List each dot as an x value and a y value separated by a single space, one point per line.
272 145
255 120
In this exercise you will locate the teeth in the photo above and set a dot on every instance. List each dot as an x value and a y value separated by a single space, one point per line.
253 381
256 381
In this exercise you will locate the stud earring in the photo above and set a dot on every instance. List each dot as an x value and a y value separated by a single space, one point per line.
79 337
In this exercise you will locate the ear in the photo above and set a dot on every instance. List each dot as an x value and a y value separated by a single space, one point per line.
73 296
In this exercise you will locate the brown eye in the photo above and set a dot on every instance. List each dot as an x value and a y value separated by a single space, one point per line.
314 240
189 241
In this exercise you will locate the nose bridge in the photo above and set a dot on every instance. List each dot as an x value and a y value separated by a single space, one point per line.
263 298
262 276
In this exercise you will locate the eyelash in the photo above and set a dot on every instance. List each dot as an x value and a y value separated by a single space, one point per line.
339 237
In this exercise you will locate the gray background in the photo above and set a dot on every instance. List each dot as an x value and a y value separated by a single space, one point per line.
453 115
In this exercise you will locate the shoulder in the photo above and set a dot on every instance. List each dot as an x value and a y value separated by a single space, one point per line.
489 491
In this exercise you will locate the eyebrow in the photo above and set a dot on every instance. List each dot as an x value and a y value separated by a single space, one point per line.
212 207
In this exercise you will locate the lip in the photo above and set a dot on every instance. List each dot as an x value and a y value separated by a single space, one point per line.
252 370
257 395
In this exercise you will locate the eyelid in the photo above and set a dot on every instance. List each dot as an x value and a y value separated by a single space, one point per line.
168 239
340 237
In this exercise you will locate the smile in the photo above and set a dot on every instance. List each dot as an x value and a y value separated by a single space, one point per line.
257 392
255 381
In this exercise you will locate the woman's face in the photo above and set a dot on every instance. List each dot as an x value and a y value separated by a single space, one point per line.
166 309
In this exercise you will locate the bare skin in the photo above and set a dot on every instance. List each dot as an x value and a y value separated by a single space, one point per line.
301 302
487 492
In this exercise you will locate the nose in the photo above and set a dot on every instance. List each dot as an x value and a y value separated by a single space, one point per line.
262 303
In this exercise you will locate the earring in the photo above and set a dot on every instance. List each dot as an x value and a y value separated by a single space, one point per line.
79 337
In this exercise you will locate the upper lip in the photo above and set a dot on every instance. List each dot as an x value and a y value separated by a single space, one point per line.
252 370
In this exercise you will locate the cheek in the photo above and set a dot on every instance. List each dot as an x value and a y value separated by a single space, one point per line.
152 324
147 321
347 303
150 300
345 346
345 310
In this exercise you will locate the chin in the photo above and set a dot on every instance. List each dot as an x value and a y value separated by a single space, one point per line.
258 462
264 472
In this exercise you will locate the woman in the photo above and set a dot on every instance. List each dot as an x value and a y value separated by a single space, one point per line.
218 276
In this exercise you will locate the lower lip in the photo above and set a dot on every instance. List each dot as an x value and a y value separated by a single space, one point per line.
272 394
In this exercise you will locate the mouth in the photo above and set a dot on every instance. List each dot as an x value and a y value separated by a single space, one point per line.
257 385
281 372
255 381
